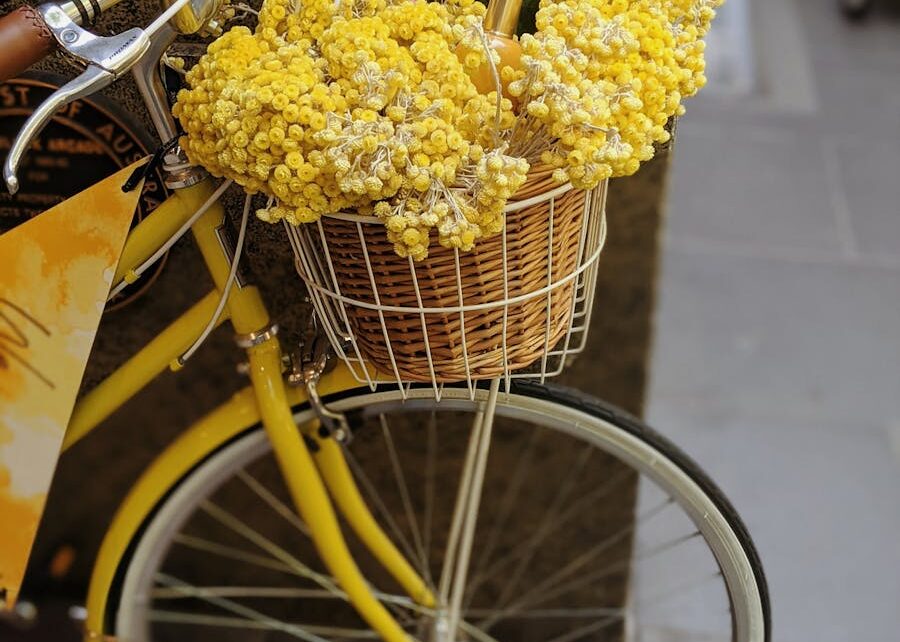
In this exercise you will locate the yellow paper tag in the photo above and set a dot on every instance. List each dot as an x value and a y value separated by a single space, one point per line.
55 276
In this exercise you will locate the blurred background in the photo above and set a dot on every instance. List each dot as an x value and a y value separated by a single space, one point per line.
776 360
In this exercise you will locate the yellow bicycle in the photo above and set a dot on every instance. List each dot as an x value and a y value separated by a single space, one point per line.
333 499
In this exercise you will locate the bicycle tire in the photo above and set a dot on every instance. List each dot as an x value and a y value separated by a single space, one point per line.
555 396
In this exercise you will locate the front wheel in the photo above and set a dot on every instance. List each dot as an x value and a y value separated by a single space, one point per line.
591 527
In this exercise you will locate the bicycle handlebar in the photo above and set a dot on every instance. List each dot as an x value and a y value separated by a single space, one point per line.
27 35
24 40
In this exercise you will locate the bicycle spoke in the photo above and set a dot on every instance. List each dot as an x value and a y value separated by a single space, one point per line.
540 614
240 609
229 552
375 497
520 474
475 633
575 509
514 610
586 630
178 589
403 617
239 527
273 502
177 617
586 580
277 592
467 627
550 587
428 513
680 589
582 560
403 489
270 563
548 523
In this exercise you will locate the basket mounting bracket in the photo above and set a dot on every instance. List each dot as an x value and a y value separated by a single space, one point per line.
315 358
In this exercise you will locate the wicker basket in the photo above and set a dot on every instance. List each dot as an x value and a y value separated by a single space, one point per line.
456 315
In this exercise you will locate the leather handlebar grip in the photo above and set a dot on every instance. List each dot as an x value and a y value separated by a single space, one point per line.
24 39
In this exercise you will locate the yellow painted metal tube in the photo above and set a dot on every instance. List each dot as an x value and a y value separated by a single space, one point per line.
308 491
149 235
339 480
247 309
191 447
140 369
245 305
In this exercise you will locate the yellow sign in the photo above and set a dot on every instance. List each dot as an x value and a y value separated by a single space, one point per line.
55 275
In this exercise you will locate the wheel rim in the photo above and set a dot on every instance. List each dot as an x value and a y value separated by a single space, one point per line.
733 563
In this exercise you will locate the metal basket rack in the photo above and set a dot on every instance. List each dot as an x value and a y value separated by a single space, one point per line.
322 262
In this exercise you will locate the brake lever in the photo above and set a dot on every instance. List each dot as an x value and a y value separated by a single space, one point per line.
106 59
93 79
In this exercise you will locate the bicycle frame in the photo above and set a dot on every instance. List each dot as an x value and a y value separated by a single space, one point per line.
312 480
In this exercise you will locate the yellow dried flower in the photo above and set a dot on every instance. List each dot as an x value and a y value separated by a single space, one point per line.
329 105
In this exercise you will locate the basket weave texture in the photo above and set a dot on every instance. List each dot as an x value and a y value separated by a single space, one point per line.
449 346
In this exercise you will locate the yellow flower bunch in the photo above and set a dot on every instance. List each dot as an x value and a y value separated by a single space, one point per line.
462 214
368 104
601 78
334 105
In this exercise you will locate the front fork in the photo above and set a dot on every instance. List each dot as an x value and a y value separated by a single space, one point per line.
325 436
305 476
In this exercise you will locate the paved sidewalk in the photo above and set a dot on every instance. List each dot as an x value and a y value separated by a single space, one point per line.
777 354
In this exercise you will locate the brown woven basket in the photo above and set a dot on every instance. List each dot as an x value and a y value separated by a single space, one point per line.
467 344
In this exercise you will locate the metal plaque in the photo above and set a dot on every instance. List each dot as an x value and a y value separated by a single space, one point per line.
85 142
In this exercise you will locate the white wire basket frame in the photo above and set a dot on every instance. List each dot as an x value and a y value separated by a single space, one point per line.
319 271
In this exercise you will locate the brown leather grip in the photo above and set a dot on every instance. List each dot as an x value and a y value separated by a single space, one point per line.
24 39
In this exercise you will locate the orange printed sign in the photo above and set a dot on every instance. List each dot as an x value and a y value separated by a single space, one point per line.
55 275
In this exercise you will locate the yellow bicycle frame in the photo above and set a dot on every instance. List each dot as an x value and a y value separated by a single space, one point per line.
312 480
